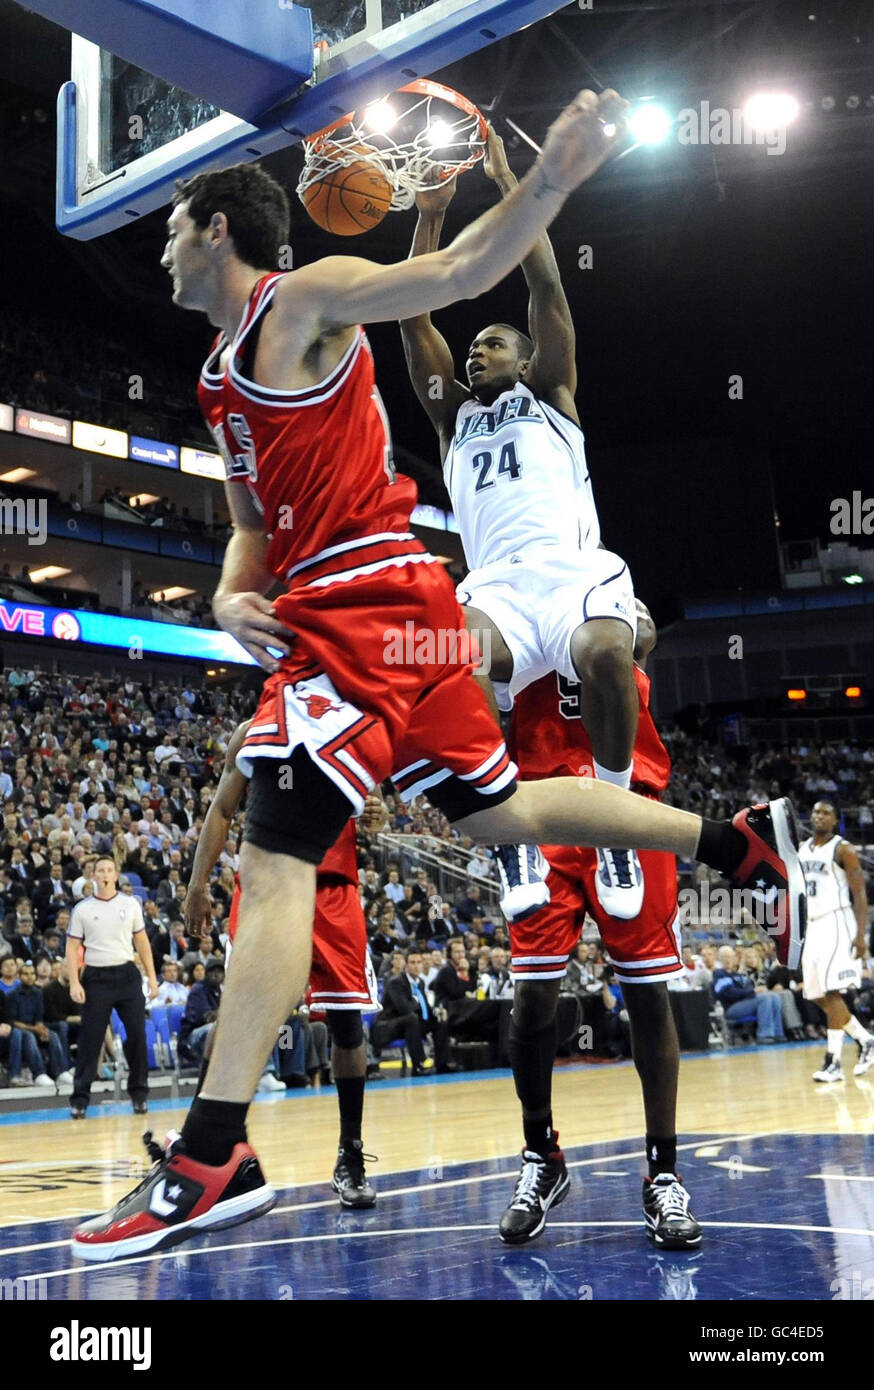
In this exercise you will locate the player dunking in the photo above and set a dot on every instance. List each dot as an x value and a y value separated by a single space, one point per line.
542 587
289 391
550 741
837 913
342 981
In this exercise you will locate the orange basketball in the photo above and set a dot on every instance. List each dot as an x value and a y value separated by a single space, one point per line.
350 200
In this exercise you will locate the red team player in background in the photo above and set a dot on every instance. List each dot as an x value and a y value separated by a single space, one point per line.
549 740
289 393
342 981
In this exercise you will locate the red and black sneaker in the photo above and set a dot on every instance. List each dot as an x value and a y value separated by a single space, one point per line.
770 872
178 1198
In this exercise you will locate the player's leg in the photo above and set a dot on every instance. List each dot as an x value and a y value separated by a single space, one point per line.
655 1049
210 1176
829 969
543 1180
522 868
349 1062
645 953
496 659
601 653
540 947
342 982
601 650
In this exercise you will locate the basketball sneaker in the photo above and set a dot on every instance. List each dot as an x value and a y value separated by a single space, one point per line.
619 883
542 1183
176 1199
771 872
349 1180
831 1070
866 1058
669 1223
522 870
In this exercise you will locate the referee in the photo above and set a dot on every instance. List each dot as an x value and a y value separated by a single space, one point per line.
110 925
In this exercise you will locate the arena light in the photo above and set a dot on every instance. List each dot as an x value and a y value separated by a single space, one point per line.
17 475
168 595
381 117
144 499
440 133
853 692
794 694
853 579
48 572
771 110
650 124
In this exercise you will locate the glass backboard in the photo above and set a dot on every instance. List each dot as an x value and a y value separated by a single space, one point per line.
126 135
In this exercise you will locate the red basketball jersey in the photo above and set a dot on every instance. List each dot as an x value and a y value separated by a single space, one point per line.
317 461
548 738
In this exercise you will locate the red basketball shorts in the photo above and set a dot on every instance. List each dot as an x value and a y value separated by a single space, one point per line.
341 975
644 950
380 682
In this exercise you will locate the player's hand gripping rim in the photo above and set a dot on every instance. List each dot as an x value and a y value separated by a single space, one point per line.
251 619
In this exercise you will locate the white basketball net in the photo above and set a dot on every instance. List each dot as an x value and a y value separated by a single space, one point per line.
416 138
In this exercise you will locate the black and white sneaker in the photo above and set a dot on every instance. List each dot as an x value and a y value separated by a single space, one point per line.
831 1070
669 1223
542 1183
349 1180
619 883
866 1058
523 870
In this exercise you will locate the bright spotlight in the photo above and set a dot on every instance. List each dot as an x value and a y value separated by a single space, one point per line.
771 110
380 117
439 133
649 124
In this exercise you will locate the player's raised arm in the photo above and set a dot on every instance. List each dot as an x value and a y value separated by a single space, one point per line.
552 372
429 360
239 604
339 291
214 832
848 859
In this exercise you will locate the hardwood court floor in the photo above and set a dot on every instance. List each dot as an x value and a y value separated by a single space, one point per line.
52 1168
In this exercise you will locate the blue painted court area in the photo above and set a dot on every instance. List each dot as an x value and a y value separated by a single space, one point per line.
785 1217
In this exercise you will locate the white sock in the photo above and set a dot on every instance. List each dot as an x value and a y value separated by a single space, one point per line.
855 1030
606 774
835 1043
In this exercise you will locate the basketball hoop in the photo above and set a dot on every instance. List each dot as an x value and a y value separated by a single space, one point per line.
422 135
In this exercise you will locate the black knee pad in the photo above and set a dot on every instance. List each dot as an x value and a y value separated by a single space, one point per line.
345 1028
294 808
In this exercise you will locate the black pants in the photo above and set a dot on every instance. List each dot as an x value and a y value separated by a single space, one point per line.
118 987
413 1028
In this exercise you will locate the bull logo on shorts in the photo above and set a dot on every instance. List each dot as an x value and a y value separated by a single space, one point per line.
317 705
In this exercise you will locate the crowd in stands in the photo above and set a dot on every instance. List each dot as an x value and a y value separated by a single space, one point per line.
63 369
714 782
128 767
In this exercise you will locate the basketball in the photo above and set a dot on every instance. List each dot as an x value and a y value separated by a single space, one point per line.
349 200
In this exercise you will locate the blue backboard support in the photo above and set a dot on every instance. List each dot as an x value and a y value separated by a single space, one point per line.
99 191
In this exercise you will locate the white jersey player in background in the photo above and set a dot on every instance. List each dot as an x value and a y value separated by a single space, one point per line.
835 942
541 590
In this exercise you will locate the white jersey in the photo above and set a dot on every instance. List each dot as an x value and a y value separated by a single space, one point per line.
827 886
517 475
